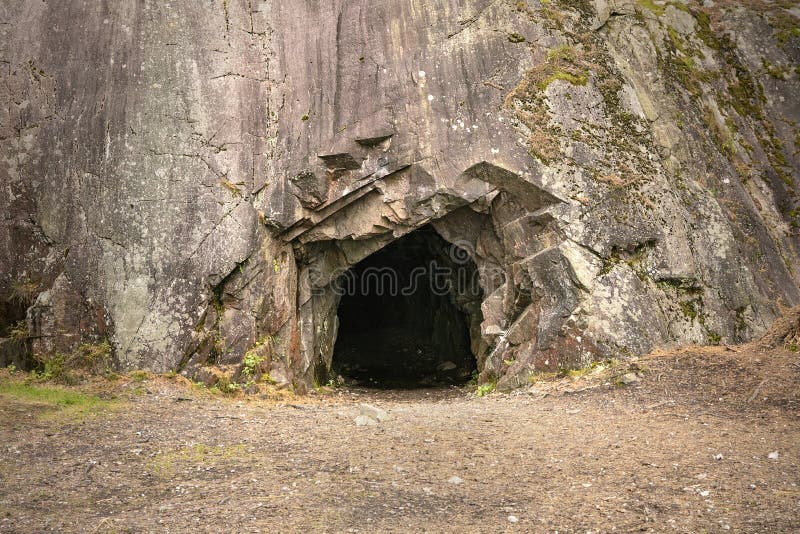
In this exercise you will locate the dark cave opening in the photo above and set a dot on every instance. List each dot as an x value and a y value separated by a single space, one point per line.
402 318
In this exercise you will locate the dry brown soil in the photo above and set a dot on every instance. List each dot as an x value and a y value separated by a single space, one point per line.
686 449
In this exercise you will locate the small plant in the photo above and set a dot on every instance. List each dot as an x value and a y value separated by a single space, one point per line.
228 387
232 187
485 389
24 291
139 375
52 368
94 358
19 332
251 361
335 382
473 380
253 358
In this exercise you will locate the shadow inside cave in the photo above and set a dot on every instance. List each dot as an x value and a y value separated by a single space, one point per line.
402 322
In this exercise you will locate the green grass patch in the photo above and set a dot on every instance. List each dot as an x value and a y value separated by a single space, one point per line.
57 401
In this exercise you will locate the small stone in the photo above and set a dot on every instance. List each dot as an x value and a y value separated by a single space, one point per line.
705 493
718 457
363 420
628 379
773 455
513 519
446 366
454 480
373 412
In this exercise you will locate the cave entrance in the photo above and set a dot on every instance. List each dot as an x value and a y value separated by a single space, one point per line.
404 315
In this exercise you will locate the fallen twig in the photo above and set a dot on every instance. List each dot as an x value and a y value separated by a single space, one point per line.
755 391
658 404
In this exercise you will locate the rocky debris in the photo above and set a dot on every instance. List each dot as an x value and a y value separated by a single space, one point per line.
773 455
455 480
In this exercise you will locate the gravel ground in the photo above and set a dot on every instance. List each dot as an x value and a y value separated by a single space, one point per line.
703 439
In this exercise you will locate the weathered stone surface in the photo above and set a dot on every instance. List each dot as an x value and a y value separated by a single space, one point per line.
186 179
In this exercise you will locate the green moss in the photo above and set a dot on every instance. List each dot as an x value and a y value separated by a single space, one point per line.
658 9
775 71
608 265
685 286
562 53
689 310
574 79
704 31
786 26
713 338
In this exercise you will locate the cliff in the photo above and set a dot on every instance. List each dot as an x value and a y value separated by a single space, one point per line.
184 180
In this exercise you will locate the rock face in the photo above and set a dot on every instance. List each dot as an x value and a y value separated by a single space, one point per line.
185 180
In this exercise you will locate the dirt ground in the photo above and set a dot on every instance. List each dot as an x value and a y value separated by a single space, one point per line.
707 440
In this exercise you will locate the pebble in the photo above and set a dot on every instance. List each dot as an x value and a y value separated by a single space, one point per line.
363 420
513 519
446 366
628 379
454 480
773 455
373 412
